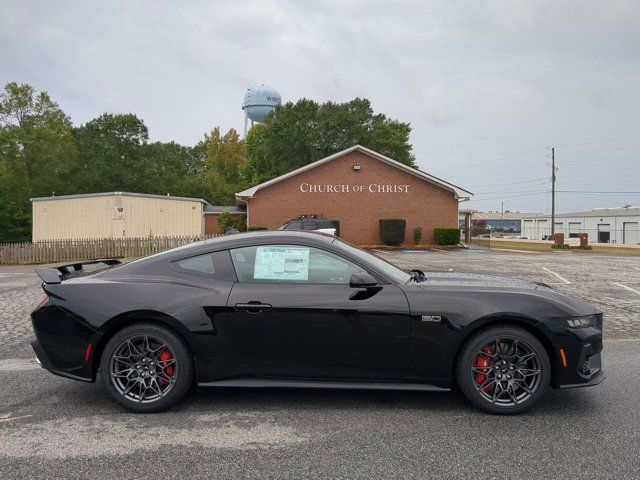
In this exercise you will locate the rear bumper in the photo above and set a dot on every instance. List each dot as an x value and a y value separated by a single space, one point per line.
63 343
45 362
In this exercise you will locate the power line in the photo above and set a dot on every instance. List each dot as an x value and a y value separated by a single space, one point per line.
601 141
510 183
515 189
591 160
603 176
511 196
484 164
591 197
635 147
597 191
518 169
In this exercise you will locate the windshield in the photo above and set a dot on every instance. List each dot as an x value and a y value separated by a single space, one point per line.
398 276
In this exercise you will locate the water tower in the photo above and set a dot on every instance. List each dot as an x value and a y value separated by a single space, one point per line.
258 101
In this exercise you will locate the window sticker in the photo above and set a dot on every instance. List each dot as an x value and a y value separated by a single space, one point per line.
281 263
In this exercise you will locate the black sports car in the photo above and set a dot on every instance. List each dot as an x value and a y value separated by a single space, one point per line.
296 309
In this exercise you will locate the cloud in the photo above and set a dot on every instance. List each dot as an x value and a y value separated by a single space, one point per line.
477 80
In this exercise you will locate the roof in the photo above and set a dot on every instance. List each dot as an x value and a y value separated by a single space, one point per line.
501 216
459 192
113 194
223 208
596 212
266 237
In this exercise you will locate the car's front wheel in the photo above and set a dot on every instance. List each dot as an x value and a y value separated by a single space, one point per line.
146 367
504 370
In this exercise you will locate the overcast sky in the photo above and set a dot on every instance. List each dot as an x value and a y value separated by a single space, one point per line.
486 85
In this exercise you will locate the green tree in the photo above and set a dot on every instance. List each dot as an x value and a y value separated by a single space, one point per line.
172 168
296 134
222 166
37 154
110 153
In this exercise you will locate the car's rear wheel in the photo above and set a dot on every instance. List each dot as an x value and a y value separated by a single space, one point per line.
146 367
504 370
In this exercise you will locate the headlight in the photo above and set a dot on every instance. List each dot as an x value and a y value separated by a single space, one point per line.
578 322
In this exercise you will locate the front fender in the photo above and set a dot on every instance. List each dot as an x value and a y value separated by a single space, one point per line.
434 345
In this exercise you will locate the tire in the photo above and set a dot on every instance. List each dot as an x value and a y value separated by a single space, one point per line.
497 367
164 361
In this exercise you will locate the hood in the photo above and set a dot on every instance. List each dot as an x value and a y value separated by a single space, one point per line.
479 284
476 280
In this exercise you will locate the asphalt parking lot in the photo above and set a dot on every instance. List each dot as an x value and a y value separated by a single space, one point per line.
51 427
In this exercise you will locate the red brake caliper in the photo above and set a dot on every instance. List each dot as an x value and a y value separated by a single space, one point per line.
483 363
163 357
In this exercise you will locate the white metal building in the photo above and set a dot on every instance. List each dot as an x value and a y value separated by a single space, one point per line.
116 215
604 225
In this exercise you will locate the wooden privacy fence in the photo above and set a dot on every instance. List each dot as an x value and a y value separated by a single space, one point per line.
51 251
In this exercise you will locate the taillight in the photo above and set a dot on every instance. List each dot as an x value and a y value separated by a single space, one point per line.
42 302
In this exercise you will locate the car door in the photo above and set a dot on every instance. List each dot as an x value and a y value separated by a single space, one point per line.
295 315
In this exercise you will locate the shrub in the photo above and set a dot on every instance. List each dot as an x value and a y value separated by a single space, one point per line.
228 219
256 229
560 246
446 236
417 235
392 232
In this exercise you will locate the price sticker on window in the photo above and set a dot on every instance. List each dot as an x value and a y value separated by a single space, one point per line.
281 263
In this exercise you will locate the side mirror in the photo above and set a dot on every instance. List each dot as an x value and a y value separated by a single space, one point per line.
362 280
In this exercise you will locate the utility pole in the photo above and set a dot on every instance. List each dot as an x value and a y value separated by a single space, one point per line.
553 192
502 212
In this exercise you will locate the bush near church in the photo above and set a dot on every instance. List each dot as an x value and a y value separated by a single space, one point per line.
446 236
417 235
227 219
392 232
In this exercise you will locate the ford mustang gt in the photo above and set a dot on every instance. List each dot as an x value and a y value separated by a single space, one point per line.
298 309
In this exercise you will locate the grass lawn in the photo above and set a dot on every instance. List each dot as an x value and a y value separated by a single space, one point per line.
546 247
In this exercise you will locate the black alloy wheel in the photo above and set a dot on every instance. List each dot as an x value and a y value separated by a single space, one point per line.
146 367
504 370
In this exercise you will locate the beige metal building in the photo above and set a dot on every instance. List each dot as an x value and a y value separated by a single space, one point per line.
116 215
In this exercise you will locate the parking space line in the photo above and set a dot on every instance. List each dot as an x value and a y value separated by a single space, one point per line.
627 288
557 275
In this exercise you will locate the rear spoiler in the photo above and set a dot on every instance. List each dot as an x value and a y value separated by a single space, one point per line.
52 275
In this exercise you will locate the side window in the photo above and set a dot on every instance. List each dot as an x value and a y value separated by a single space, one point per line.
291 264
213 265
199 264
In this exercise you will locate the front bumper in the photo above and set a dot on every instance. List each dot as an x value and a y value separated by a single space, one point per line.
595 380
578 358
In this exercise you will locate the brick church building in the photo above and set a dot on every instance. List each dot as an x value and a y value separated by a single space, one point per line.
357 187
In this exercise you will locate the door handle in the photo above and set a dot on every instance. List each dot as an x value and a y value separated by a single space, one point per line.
252 307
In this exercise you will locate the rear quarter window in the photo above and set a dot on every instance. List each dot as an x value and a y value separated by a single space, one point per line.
216 265
202 264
